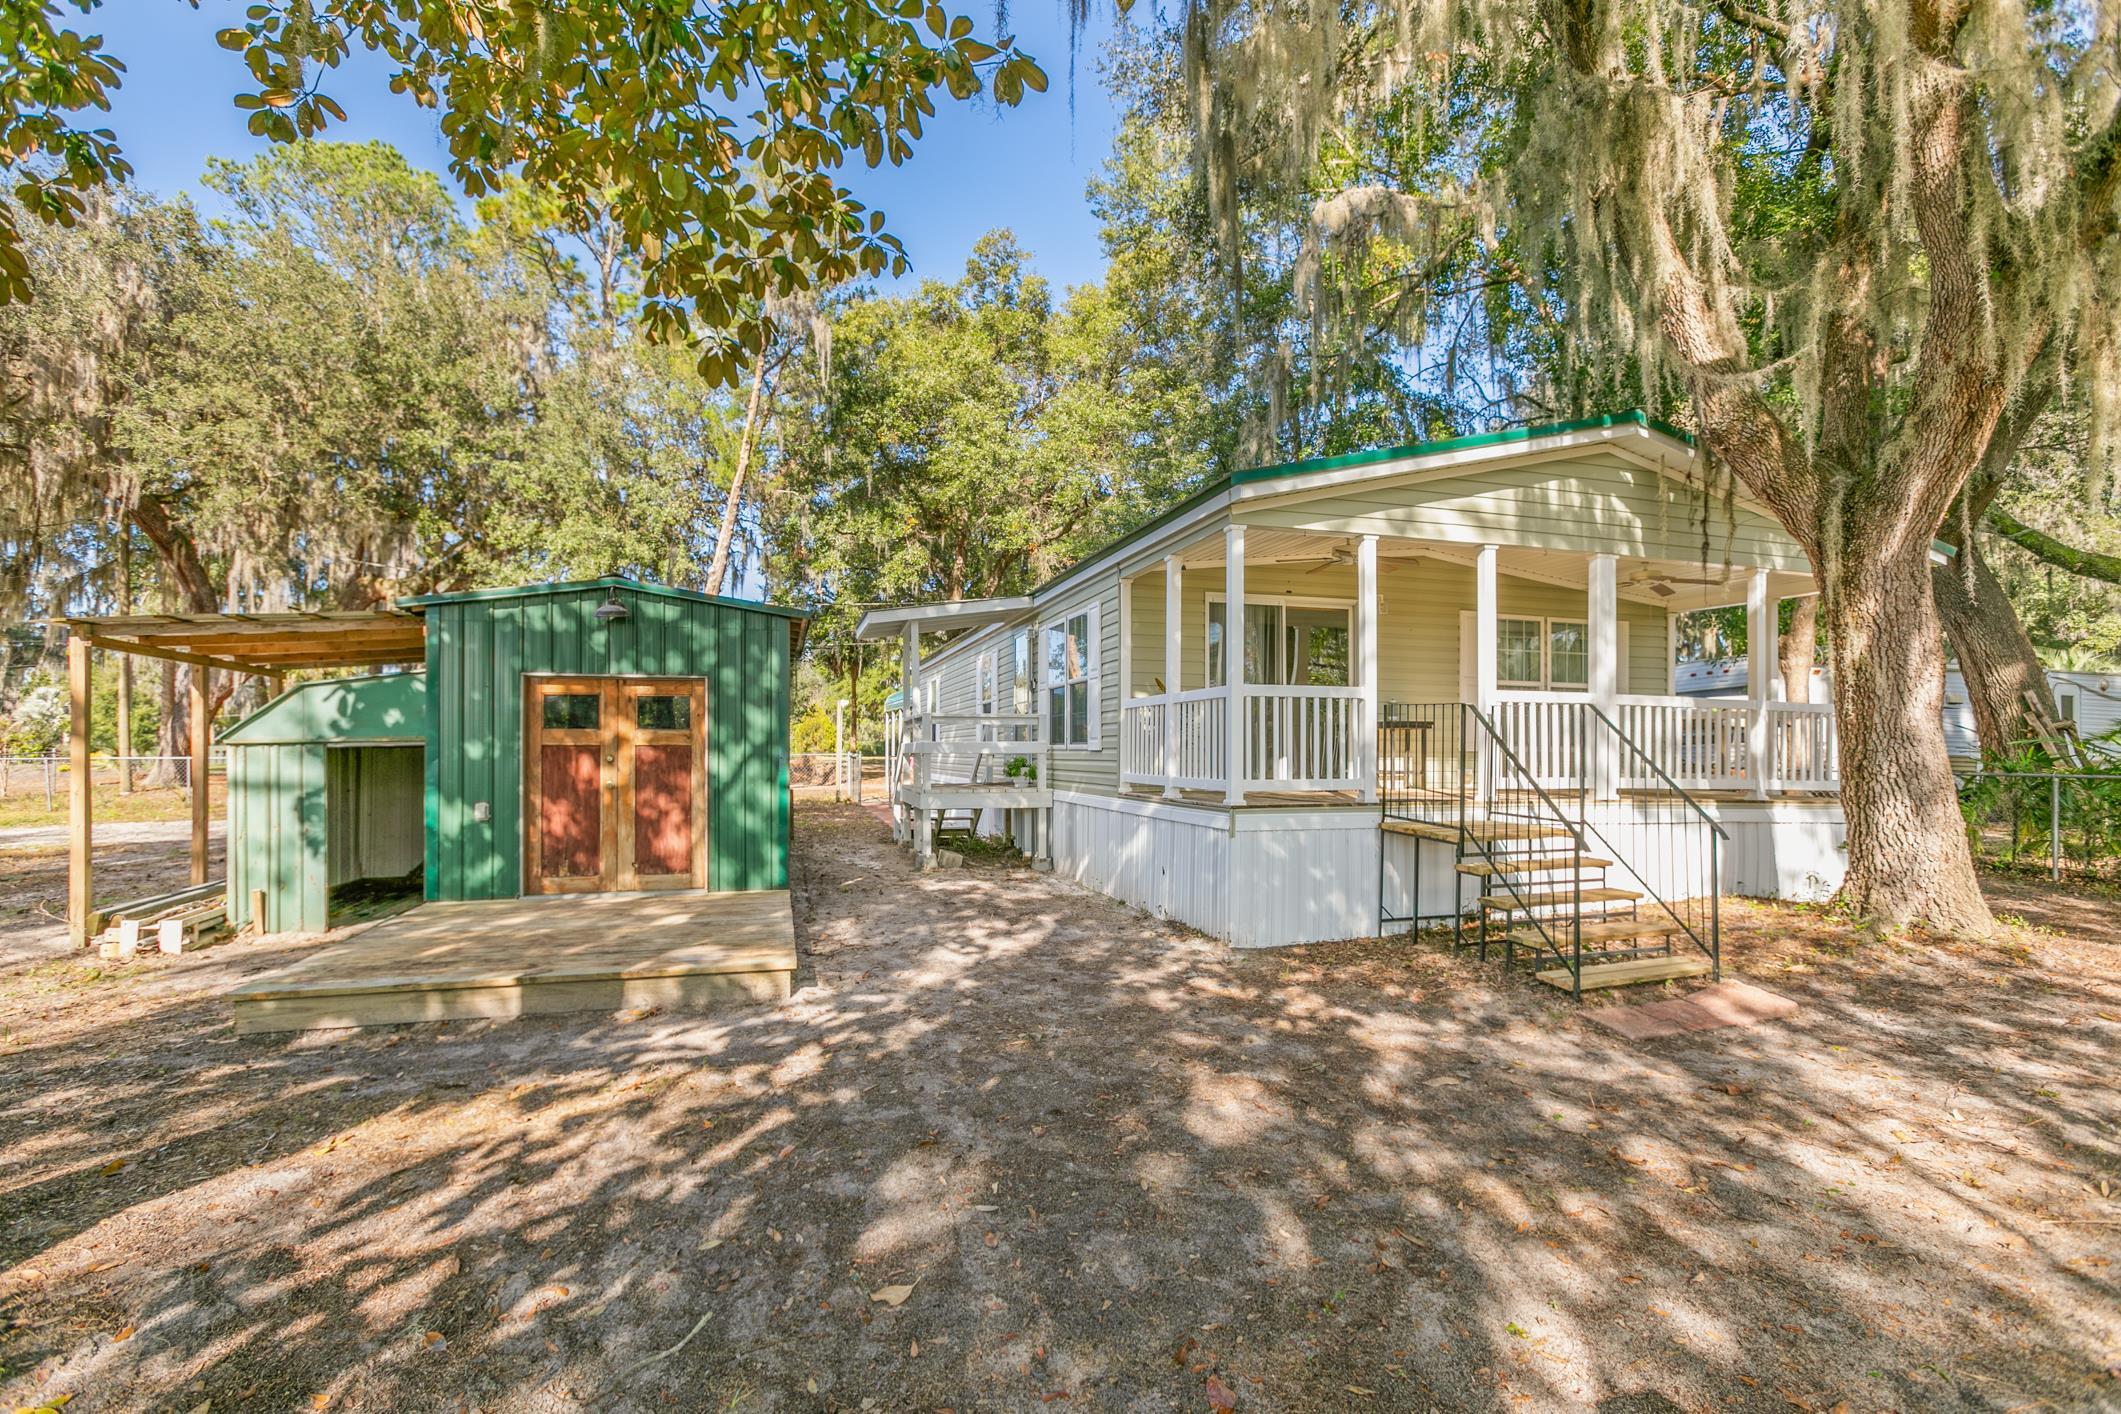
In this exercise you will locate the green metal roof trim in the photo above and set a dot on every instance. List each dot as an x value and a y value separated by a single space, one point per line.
609 581
385 707
1634 417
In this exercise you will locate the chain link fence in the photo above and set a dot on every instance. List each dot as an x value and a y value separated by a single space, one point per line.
47 776
2065 824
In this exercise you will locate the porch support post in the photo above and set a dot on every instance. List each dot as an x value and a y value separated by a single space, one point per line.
1605 672
1671 653
1366 666
202 733
1760 667
80 795
1484 628
1234 662
909 675
1174 666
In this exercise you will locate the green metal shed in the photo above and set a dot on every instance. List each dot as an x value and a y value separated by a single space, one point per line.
569 724
324 790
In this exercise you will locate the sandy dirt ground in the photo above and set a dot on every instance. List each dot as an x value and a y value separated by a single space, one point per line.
1012 1146
133 860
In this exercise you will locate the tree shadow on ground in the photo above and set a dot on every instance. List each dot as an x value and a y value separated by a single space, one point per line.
1112 1161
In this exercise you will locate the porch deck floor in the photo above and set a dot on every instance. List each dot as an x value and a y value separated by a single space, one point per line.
519 957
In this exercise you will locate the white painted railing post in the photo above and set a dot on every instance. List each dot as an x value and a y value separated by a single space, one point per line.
1234 662
1760 665
1602 757
1484 664
1174 666
1366 674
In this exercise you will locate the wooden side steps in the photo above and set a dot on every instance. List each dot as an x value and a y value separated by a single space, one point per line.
1606 930
1486 832
1624 974
1533 864
1558 898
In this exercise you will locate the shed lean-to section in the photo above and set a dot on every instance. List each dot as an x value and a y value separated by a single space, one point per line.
324 791
483 646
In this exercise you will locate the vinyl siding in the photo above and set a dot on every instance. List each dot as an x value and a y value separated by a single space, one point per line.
478 651
1418 622
1587 504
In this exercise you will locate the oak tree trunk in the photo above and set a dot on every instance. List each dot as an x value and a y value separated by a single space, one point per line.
1908 859
1799 647
1996 659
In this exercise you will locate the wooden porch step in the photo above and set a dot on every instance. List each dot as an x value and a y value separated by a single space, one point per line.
1487 832
1558 897
1624 974
1606 930
1421 829
1533 864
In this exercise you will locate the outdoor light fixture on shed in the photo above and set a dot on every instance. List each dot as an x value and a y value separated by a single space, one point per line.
611 610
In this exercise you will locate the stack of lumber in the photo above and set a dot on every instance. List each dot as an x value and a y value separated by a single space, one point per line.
174 923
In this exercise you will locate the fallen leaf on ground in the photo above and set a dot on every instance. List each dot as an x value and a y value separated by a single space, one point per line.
891 1295
1219 1395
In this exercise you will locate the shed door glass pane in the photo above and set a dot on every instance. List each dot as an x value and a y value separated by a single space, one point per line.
671 713
571 711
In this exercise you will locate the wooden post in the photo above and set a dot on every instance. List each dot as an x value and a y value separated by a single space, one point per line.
202 728
1174 666
1762 664
1605 672
125 661
1234 663
1366 672
909 673
80 885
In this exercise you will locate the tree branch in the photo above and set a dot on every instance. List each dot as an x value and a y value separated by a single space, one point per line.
2090 564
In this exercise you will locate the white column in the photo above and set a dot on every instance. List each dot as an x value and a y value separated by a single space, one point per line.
1234 662
909 675
1484 628
1174 666
1671 653
1605 673
1760 670
1366 665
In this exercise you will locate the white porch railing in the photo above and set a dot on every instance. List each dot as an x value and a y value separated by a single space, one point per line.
1303 738
1198 720
1706 743
968 748
1296 738
1309 738
1804 747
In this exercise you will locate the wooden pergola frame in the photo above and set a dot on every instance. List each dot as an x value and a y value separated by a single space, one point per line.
260 645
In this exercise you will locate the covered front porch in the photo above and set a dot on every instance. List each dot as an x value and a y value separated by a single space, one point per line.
1344 634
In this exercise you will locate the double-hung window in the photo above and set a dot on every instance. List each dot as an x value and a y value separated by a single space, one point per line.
985 693
1547 654
1070 668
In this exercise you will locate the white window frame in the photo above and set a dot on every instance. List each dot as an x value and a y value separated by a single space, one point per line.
1092 674
1293 601
1469 623
932 695
1023 647
1520 684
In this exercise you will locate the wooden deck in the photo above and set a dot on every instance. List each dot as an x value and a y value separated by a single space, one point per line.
520 957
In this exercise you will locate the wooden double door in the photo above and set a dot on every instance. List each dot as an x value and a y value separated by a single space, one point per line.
615 784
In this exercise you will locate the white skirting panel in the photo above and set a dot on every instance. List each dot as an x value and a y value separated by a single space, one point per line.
1307 876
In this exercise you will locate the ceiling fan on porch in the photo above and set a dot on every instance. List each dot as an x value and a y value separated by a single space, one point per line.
1660 583
1343 554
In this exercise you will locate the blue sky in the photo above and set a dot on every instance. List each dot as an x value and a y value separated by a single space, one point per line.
977 168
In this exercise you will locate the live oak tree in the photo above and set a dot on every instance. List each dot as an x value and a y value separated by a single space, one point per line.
1851 234
712 131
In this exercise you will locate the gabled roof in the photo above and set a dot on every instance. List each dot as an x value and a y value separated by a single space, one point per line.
609 581
386 708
